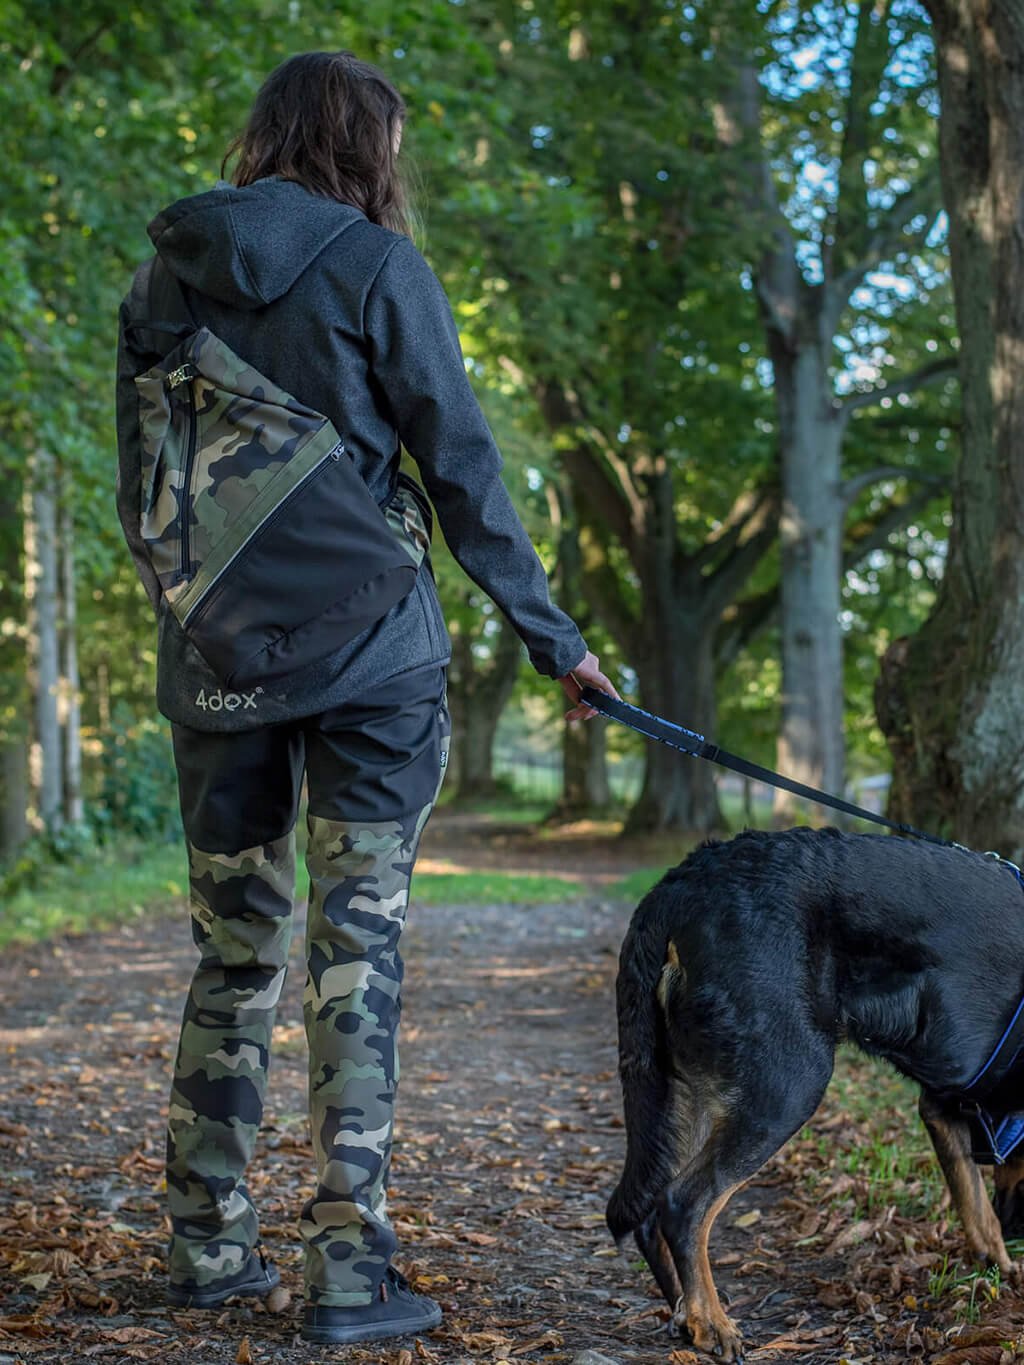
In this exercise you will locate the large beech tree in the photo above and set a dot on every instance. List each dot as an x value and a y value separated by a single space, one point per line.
951 699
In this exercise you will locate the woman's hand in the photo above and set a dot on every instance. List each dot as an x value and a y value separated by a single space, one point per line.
586 673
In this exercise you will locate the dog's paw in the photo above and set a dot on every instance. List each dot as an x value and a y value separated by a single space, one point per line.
718 1335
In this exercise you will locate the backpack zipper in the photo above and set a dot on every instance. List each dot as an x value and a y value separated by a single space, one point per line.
332 456
184 375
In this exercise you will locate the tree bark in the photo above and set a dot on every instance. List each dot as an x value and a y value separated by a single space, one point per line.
585 787
70 693
677 681
478 694
42 599
810 746
14 792
949 698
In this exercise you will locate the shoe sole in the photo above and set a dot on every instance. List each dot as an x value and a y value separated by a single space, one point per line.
181 1298
376 1331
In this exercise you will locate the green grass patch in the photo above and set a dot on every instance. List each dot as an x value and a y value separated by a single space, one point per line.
96 890
105 887
490 888
637 884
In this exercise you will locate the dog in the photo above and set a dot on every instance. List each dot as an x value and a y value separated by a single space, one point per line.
739 974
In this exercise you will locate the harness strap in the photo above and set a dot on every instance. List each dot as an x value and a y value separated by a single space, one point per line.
1003 1059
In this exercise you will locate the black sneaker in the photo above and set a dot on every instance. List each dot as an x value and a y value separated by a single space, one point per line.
257 1277
396 1312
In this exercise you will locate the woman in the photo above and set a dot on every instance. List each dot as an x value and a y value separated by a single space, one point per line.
304 268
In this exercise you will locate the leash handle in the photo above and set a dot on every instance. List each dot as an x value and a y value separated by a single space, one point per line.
693 743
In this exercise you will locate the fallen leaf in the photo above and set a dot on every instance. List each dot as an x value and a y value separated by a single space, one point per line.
278 1299
748 1219
244 1356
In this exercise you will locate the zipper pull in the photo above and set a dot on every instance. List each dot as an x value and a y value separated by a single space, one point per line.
180 376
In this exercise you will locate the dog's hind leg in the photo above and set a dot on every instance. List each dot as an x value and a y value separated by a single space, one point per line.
951 1138
738 1144
1008 1201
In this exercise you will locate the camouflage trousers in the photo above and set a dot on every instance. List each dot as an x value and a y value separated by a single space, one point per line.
373 771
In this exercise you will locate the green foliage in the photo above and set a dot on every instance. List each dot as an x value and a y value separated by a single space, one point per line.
137 792
586 214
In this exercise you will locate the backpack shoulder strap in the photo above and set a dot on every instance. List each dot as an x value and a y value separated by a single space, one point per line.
168 316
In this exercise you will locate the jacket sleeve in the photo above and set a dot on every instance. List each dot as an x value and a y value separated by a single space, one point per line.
416 357
129 454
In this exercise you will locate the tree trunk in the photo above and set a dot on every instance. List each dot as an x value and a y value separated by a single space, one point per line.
949 698
14 794
478 718
43 601
677 681
71 704
810 746
585 787
478 694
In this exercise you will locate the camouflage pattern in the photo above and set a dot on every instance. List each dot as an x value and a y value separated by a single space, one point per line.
222 448
241 922
359 887
246 439
405 515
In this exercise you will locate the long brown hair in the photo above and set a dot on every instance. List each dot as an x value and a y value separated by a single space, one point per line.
330 122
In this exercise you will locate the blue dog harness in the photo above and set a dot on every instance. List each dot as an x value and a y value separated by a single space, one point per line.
996 1135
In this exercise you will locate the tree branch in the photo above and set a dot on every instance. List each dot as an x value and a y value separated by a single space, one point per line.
939 368
867 67
889 236
603 593
63 71
618 500
873 535
852 488
725 581
721 541
741 622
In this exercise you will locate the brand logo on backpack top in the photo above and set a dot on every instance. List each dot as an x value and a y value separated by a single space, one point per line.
226 701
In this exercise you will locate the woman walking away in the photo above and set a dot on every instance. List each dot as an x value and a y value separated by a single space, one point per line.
295 291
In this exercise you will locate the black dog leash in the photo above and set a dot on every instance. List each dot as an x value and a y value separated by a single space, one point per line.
690 742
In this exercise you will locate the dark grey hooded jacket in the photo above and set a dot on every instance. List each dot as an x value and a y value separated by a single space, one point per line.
349 318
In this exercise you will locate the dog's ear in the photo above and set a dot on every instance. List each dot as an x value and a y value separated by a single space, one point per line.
672 974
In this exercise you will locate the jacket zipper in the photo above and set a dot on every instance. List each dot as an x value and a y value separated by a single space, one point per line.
332 456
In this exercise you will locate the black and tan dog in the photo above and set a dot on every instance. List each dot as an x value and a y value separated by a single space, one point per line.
740 973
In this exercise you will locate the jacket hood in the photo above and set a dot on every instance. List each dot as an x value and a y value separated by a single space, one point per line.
246 247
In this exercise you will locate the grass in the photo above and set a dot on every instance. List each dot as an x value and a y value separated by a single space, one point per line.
105 887
970 1288
490 888
637 884
99 889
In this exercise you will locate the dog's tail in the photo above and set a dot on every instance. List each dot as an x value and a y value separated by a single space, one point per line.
649 971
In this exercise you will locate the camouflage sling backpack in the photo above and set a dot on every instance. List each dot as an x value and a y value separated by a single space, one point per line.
268 546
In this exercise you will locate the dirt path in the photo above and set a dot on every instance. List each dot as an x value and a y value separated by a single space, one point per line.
509 1141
